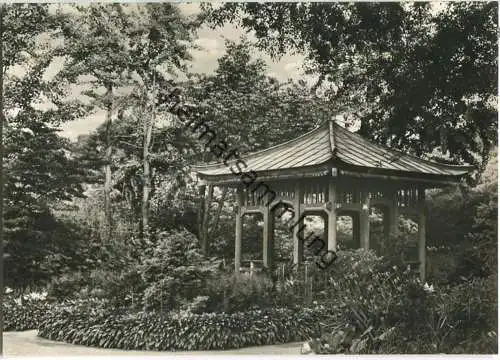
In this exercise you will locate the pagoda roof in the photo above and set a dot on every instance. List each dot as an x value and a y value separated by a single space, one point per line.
331 144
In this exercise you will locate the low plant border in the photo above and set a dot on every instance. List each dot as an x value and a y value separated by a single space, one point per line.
22 313
91 326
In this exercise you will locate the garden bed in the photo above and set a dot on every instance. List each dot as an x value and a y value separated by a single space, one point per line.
94 326
23 312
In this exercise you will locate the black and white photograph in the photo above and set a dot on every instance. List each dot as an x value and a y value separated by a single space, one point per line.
248 178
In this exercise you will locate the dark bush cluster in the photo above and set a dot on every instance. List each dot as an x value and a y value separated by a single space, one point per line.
97 326
384 309
22 313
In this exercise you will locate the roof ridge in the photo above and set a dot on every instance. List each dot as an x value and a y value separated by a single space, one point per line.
403 154
333 143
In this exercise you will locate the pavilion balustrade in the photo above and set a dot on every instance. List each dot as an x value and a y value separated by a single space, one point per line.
329 198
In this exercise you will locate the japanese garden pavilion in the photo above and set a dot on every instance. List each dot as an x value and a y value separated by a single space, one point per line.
331 172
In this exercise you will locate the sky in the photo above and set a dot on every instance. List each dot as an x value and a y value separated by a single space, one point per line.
212 44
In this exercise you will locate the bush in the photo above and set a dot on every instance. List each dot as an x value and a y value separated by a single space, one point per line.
384 309
101 327
38 248
175 272
23 313
466 220
67 286
232 293
442 264
473 313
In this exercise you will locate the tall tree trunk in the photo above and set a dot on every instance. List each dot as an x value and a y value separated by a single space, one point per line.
2 119
146 189
107 166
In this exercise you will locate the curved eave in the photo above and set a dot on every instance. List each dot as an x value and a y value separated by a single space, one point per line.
269 175
345 170
330 144
430 180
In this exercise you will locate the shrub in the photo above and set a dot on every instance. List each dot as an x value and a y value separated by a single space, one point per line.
384 309
442 264
355 264
472 310
67 286
175 272
98 326
231 293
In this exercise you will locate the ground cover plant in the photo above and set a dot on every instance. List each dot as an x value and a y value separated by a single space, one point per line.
23 312
109 328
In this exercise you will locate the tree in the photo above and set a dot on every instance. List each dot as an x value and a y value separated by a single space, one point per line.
421 82
97 49
40 167
166 30
153 42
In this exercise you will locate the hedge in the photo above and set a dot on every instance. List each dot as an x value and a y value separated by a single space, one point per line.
93 326
22 313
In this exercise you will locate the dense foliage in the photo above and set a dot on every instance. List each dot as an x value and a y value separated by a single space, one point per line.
176 272
383 309
40 167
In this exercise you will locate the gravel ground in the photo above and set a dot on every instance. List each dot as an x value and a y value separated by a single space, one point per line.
26 343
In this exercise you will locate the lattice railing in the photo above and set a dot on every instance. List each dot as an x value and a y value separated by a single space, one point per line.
408 197
314 193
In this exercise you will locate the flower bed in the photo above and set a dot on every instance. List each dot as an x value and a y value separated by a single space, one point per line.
23 313
94 326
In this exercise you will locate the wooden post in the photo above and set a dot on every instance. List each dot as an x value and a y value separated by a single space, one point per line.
394 215
206 220
268 241
392 221
421 233
365 221
332 216
387 222
325 227
239 230
298 229
355 229
201 210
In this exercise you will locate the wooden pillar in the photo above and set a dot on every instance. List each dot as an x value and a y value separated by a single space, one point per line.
387 222
325 227
355 229
364 220
393 215
239 230
421 233
206 220
332 216
201 210
268 238
297 231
